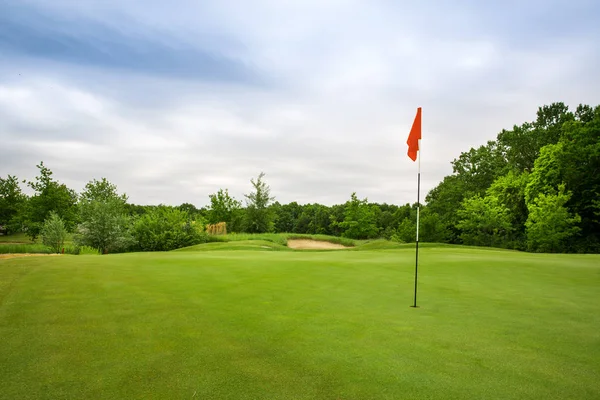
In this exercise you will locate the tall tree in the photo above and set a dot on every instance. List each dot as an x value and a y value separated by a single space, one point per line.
12 201
50 195
510 192
484 221
550 225
225 208
360 221
478 168
259 216
523 143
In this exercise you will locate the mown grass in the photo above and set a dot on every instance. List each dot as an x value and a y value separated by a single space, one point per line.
301 325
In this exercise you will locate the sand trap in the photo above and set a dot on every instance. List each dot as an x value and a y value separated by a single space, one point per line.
313 244
15 255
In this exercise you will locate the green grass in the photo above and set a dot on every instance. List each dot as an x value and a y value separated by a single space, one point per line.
15 238
7 248
301 325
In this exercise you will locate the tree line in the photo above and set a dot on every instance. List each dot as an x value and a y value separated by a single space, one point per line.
534 188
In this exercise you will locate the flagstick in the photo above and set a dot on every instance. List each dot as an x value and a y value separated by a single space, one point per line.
418 209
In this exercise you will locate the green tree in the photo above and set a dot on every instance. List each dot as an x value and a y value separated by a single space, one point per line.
167 228
510 192
54 232
550 224
484 221
431 227
478 168
444 200
49 196
360 220
523 143
286 216
579 168
104 219
12 201
259 216
224 208
407 231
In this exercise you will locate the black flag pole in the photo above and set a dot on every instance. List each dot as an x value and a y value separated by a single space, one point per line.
418 211
417 241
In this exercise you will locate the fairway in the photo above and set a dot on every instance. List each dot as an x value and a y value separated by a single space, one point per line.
301 325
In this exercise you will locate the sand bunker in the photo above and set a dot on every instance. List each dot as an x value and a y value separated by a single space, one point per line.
313 244
15 255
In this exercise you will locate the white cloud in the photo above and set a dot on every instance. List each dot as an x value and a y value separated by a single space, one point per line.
345 79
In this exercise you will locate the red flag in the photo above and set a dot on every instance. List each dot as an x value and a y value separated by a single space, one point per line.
414 136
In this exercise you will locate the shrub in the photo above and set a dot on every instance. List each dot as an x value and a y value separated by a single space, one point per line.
54 233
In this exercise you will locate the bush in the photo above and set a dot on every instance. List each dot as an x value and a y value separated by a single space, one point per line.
54 233
167 228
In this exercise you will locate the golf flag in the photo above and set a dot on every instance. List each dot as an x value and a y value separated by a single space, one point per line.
413 149
414 136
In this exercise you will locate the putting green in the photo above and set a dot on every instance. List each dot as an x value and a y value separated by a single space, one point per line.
301 325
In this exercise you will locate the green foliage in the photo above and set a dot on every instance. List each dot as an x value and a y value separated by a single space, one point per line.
484 221
259 216
510 192
478 168
530 160
224 208
550 224
54 233
360 221
104 220
167 228
49 196
12 201
406 232
523 143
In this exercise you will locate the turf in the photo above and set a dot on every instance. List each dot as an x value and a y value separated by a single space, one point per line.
301 325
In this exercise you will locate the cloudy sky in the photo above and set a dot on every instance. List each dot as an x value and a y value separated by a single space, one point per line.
172 100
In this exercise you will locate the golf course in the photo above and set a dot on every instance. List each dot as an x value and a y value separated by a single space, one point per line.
258 320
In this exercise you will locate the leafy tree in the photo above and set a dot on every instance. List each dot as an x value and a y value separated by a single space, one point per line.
104 219
193 212
484 221
286 216
49 196
224 208
523 143
259 216
579 168
444 200
336 217
360 221
546 174
478 168
167 228
54 232
550 224
510 191
12 201
431 227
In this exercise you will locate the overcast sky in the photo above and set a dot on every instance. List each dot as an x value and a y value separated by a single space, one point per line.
172 100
